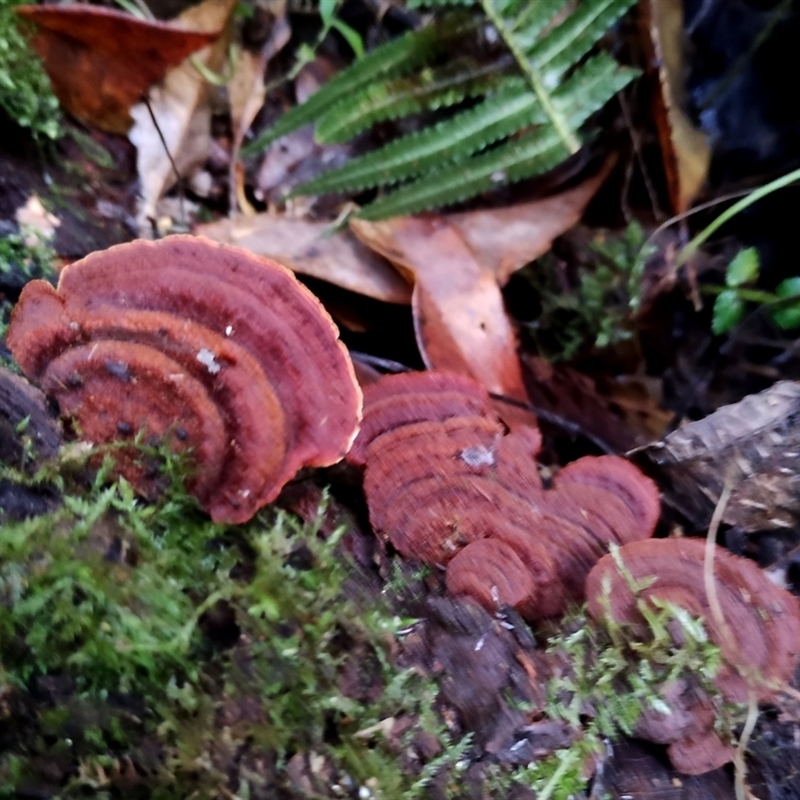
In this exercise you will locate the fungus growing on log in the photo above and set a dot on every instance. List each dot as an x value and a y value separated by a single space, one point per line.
759 634
221 351
443 477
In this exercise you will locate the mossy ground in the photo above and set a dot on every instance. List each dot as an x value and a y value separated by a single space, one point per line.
147 652
151 653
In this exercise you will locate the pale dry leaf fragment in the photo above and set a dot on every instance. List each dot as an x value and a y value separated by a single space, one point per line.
37 219
505 239
305 247
246 89
180 106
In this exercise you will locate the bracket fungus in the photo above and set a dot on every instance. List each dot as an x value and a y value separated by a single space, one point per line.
215 348
758 633
397 400
448 485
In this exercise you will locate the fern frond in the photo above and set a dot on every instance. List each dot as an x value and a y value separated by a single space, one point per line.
440 3
504 112
388 61
510 109
524 157
428 90
568 43
531 20
520 158
530 103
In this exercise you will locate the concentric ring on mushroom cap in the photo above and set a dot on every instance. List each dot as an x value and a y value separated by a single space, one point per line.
257 303
394 411
432 518
492 574
249 320
620 477
93 383
762 620
461 445
254 456
600 512
405 383
254 463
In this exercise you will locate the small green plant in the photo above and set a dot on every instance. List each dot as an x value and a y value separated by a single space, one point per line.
521 88
595 306
25 90
782 305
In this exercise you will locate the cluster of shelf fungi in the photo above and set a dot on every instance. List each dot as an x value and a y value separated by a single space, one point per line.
224 353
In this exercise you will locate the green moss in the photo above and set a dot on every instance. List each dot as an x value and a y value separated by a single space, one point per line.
207 645
612 672
23 256
25 90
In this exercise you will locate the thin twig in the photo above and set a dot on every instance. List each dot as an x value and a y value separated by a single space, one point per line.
568 426
740 766
178 178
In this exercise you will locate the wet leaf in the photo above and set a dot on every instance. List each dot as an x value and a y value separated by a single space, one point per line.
102 61
458 262
180 105
685 149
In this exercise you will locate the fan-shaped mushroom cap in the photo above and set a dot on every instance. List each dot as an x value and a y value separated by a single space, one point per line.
759 637
761 633
491 573
240 330
406 398
621 478
94 382
442 474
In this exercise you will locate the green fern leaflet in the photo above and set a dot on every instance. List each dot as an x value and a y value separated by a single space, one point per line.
519 91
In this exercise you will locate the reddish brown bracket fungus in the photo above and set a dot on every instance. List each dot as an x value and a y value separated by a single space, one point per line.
405 398
444 478
223 351
491 573
759 633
